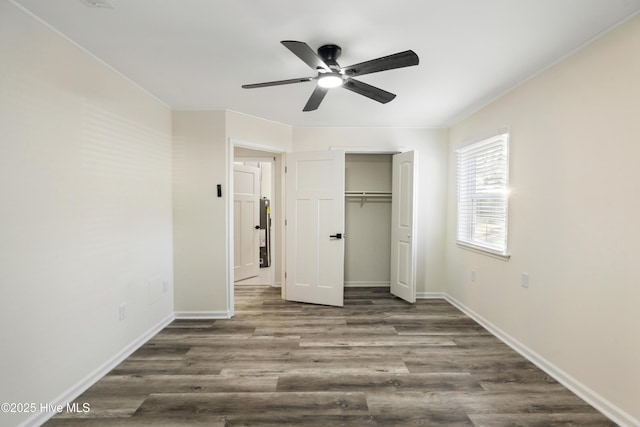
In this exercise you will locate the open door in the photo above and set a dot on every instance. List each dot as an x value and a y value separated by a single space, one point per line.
403 248
246 217
315 227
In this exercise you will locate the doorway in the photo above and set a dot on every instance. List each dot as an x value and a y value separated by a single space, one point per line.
315 210
368 185
402 280
253 228
271 159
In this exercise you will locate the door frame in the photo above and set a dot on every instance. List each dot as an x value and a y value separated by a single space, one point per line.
232 143
275 207
393 151
230 146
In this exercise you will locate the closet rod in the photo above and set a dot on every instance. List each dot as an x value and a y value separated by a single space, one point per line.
367 196
367 193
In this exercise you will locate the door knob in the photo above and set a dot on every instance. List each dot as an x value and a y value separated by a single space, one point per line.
257 227
337 236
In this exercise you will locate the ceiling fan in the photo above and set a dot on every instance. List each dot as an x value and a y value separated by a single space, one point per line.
331 74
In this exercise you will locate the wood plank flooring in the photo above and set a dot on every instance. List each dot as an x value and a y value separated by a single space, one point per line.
378 361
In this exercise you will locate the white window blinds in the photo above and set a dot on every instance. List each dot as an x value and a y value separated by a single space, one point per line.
483 174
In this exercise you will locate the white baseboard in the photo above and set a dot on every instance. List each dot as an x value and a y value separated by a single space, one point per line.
362 284
610 410
202 315
607 408
75 391
430 295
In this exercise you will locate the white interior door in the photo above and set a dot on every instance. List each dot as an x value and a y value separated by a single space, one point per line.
315 227
403 249
246 216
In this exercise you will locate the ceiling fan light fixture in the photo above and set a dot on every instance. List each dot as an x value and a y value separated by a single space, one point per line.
331 75
330 80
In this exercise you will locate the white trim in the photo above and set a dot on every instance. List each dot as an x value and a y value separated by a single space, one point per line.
229 155
467 151
371 150
473 110
247 115
203 315
271 159
243 159
88 52
607 408
256 146
483 136
483 251
365 284
228 234
431 295
72 393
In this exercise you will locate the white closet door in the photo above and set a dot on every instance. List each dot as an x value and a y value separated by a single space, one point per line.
246 216
403 248
315 227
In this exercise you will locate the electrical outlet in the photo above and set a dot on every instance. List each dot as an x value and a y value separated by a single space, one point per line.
524 280
122 311
473 276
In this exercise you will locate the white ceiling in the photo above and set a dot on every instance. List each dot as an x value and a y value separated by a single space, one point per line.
195 54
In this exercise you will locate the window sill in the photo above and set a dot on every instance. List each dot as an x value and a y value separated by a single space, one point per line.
484 251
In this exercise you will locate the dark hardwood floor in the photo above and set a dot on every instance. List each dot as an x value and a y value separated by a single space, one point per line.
376 362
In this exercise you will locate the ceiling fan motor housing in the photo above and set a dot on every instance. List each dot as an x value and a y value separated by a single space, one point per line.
331 75
330 53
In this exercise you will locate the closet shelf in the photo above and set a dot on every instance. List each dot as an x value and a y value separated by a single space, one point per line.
364 195
368 193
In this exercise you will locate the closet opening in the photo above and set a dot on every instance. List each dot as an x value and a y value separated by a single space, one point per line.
368 195
351 222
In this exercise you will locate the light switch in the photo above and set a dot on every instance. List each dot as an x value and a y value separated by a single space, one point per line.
524 280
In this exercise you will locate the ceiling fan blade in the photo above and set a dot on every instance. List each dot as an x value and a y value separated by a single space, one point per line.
278 82
308 55
397 60
316 98
369 91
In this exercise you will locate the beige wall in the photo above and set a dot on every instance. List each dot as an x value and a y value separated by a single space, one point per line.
201 157
90 218
199 215
574 212
200 162
432 151
85 216
249 129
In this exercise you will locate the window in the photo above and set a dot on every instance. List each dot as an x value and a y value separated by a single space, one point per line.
483 175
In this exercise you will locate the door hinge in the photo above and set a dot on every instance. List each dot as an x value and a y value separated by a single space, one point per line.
285 222
285 274
285 169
